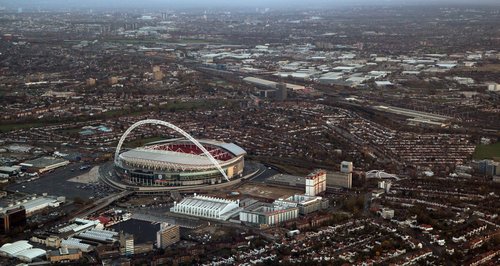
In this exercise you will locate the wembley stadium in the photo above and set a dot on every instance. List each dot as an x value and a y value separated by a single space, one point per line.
180 162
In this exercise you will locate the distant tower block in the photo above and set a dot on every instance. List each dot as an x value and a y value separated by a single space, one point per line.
316 183
113 80
90 82
281 91
346 167
157 73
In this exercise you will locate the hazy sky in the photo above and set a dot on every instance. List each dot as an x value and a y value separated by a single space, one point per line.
223 3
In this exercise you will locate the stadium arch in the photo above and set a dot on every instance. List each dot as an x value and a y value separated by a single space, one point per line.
177 129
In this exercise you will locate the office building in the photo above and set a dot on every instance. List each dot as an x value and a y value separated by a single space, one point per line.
12 219
306 204
126 244
281 92
339 179
269 214
167 235
316 183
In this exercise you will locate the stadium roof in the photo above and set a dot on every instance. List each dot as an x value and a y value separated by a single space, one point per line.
230 147
10 249
166 157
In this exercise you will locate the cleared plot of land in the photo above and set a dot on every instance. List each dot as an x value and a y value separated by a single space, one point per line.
267 191
489 68
91 176
491 151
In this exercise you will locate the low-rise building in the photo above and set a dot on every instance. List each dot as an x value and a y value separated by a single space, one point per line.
269 214
64 255
44 164
306 204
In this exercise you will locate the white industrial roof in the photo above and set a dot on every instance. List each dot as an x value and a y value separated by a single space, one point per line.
33 204
208 203
30 254
10 249
75 243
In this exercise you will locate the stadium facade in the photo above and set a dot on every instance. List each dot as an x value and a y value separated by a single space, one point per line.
180 162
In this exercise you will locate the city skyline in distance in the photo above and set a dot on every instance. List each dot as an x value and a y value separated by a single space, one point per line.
278 4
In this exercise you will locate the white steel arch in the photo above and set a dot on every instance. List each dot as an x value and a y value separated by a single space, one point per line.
174 127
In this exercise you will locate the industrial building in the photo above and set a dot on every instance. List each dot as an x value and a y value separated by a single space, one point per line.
81 234
64 255
207 207
262 83
74 243
21 250
35 204
44 164
168 234
10 170
99 236
265 214
29 255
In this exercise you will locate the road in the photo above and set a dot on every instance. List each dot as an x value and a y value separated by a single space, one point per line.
104 202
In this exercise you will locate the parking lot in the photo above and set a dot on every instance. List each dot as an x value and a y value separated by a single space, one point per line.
57 183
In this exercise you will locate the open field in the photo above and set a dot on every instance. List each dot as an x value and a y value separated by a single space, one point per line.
91 176
491 151
10 127
267 191
142 142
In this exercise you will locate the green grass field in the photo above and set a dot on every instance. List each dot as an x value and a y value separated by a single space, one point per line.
10 127
141 142
491 151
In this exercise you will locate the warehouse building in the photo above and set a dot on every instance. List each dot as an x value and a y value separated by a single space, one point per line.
10 249
21 250
35 204
99 236
207 207
44 164
29 255
74 243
